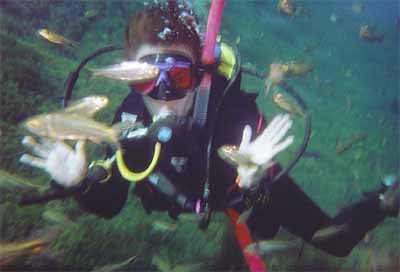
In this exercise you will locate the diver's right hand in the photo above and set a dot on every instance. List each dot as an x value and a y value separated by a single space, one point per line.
66 166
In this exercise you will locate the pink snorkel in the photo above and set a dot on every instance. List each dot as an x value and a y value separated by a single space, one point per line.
207 58
253 260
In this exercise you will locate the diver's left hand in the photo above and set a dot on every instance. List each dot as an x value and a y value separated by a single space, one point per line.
67 166
262 150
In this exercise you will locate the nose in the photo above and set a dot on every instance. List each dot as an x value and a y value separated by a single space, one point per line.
163 89
163 78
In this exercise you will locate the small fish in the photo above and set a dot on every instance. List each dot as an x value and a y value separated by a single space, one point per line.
11 251
312 154
333 18
355 138
231 154
55 38
267 247
330 232
276 74
71 126
244 216
279 100
76 123
88 106
131 71
233 157
113 267
90 14
299 69
237 40
369 34
12 181
286 7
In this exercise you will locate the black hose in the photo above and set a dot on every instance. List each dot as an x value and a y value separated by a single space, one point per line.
307 132
290 90
73 76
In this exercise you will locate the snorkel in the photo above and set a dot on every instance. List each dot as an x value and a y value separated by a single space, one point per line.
208 58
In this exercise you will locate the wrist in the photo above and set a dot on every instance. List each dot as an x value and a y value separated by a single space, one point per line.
250 176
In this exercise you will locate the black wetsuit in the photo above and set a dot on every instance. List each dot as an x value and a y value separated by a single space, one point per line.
183 162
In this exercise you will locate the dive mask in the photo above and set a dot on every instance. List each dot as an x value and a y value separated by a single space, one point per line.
177 77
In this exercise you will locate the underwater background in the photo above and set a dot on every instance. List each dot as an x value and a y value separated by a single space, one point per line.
352 94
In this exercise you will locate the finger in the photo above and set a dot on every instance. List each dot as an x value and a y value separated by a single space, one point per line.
38 149
281 133
268 85
270 128
246 136
276 128
48 143
33 161
28 141
283 145
280 123
80 148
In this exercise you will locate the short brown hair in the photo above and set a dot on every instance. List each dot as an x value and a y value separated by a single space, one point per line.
164 24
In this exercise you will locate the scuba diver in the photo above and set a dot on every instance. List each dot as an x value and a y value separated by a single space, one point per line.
175 165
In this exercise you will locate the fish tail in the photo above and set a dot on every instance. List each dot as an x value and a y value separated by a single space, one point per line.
71 43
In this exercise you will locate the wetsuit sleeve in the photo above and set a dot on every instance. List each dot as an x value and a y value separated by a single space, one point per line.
104 199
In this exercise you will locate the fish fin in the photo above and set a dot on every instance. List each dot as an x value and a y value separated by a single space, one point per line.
72 110
95 140
72 43
86 106
126 125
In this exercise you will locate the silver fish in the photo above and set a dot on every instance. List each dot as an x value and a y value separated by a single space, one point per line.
55 38
266 247
113 267
329 232
11 251
131 71
231 154
279 100
11 182
71 126
88 106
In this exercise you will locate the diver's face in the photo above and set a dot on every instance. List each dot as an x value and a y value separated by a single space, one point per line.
181 104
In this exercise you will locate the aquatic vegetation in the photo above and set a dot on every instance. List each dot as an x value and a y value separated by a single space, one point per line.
339 95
